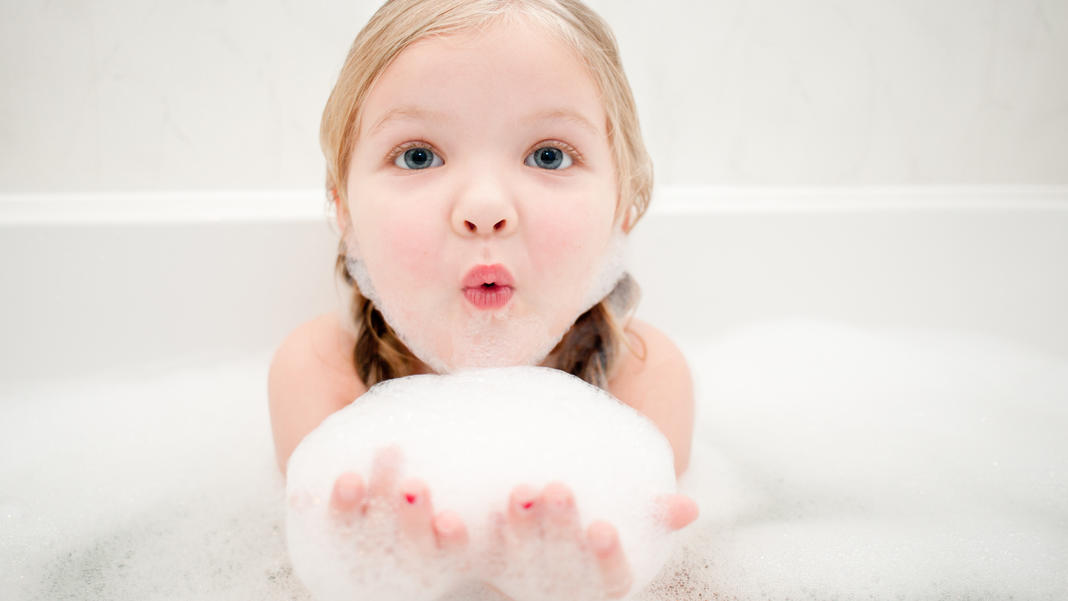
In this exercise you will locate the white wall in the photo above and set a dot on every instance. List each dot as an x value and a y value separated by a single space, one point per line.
160 177
99 291
159 95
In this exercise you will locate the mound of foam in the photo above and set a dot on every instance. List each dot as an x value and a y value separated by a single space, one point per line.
473 437
840 462
829 462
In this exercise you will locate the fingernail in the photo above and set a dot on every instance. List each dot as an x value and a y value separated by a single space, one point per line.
410 498
524 499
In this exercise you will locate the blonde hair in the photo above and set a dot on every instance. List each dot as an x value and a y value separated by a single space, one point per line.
590 348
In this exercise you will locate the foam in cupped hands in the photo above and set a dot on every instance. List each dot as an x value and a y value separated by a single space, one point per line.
473 437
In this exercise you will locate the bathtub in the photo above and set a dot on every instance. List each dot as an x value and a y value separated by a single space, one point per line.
881 375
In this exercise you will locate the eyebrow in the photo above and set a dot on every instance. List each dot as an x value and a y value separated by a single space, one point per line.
409 112
562 115
412 112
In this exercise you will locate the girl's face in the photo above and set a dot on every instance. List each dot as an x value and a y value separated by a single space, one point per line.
482 193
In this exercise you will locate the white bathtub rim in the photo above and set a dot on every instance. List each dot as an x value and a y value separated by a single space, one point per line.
309 205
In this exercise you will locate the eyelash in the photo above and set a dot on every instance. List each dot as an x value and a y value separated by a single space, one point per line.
401 148
576 156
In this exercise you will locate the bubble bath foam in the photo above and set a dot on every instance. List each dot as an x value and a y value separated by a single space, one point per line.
829 462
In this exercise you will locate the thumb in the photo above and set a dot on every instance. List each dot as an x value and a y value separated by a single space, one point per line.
677 511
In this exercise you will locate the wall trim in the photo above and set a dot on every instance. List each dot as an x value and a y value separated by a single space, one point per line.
197 206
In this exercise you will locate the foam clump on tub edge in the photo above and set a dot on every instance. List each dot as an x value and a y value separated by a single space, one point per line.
473 437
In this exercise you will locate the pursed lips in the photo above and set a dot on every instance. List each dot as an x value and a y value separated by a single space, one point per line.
488 286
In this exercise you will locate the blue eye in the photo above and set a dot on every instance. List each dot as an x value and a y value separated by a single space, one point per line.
548 157
418 158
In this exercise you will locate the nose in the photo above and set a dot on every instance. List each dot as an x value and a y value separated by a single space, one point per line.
484 209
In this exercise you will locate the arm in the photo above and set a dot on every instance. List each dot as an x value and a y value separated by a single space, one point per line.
659 386
311 377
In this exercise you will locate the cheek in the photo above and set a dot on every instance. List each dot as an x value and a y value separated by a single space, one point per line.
396 243
407 248
557 239
571 237
409 251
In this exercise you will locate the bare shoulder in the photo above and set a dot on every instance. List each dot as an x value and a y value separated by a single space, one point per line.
656 381
311 376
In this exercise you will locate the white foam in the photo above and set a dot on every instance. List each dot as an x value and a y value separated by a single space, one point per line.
498 338
829 462
473 437
878 464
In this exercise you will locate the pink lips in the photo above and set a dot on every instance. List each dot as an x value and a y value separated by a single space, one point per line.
488 286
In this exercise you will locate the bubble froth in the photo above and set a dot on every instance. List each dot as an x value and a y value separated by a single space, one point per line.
487 338
473 437
829 462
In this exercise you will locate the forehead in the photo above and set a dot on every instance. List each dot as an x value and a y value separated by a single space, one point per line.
507 71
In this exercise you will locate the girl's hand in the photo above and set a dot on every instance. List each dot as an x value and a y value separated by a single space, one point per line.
543 554
679 511
351 503
389 518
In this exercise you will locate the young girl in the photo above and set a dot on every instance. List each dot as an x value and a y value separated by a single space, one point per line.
484 160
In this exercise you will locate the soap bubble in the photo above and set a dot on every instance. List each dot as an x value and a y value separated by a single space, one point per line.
473 437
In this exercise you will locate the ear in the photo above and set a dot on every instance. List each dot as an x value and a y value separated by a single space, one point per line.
341 212
629 218
344 222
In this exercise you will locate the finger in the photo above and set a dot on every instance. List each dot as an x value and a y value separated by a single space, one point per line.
384 472
560 516
498 532
523 510
615 573
496 559
449 530
348 493
678 511
415 513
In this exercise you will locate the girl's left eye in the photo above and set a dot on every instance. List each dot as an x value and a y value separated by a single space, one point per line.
548 157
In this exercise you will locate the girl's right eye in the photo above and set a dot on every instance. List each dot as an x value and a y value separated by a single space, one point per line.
418 157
